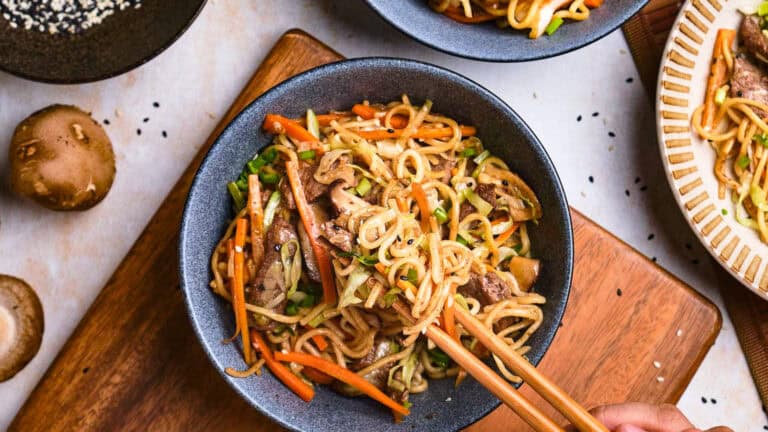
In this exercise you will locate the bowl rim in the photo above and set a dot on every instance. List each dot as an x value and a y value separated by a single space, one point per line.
621 18
368 62
149 56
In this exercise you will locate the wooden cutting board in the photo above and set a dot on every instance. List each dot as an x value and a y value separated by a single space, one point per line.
134 363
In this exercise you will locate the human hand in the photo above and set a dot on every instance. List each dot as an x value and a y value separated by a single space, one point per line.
641 417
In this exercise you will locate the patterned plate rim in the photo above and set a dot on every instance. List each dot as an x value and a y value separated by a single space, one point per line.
685 46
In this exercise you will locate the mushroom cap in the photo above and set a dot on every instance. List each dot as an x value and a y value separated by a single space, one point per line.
61 158
21 325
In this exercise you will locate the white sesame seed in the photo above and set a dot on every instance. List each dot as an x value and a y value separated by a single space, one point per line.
656 364
55 16
118 113
660 379
238 249
448 399
679 332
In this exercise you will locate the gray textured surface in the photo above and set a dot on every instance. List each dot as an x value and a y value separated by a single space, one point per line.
338 86
489 43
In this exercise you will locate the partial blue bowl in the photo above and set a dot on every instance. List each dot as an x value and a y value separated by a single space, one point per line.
339 86
487 42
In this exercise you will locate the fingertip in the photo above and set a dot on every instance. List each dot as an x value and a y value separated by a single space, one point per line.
628 428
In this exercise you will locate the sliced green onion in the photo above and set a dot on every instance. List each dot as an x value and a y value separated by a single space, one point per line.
461 301
413 276
313 126
242 182
721 94
762 139
758 197
363 187
291 308
407 404
724 212
307 155
391 296
441 215
554 25
462 240
316 321
482 206
255 165
468 153
439 358
271 209
743 161
268 176
237 196
762 10
308 301
270 155
481 157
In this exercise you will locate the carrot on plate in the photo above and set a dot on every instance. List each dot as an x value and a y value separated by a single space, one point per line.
238 288
256 213
593 3
368 112
277 124
421 133
506 234
313 230
342 374
421 201
293 382
717 75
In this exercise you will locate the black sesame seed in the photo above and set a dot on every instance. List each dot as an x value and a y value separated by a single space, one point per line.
703 400
138 131
644 188
578 119
611 134
591 179
695 261
637 180
629 80
403 277
618 292
86 369
165 134
595 114
410 241
651 236
155 104
505 182
713 400
688 246
336 227
399 238
146 119
653 259
390 131
739 93
277 248
765 427
626 192
106 121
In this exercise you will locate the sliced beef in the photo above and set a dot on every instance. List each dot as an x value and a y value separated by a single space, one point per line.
269 282
343 202
749 81
286 196
310 262
312 188
752 37
484 191
337 235
445 166
380 349
487 289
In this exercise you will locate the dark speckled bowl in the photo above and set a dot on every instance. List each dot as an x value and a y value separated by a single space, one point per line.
339 86
489 43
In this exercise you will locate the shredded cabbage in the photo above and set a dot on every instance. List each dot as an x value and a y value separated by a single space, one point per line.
291 266
354 281
271 209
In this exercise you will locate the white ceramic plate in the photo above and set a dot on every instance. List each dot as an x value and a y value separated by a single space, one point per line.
688 160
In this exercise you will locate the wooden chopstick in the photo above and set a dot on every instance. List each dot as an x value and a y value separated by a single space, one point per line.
559 399
485 376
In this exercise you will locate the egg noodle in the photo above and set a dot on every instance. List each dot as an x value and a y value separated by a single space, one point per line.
435 222
739 136
538 16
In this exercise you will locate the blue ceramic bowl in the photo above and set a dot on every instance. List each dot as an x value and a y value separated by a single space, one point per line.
489 43
338 86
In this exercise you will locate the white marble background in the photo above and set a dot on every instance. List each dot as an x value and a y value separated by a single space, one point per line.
69 257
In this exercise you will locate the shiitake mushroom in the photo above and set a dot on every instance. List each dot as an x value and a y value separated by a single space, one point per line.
62 159
21 325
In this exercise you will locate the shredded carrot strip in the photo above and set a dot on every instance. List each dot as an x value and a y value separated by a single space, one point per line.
421 133
313 231
401 205
302 389
717 74
593 3
277 124
368 112
381 268
320 342
342 374
316 375
506 234
238 289
256 212
457 14
421 200
231 277
499 220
